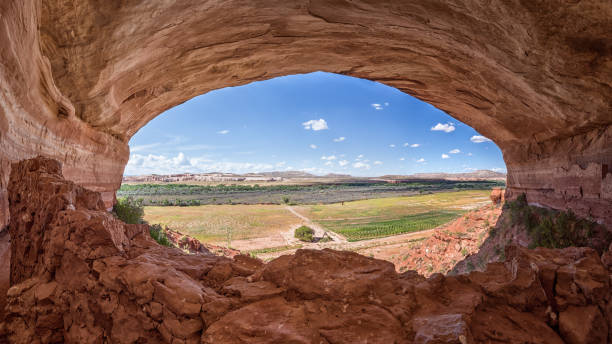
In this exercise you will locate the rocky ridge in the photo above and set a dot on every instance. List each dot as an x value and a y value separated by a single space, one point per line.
78 275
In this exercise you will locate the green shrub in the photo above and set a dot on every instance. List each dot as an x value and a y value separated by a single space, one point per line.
129 210
304 233
550 228
159 234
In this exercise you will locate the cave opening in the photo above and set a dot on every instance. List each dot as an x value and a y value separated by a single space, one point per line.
76 90
362 165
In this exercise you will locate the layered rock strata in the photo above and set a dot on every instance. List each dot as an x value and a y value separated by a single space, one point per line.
79 78
78 275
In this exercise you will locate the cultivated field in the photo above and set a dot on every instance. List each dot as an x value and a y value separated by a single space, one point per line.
374 218
268 228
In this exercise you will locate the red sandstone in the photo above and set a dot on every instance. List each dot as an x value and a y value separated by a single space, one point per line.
78 275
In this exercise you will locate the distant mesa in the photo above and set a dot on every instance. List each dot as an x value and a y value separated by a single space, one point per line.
277 176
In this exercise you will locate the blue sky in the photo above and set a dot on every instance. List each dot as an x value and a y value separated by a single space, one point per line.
318 122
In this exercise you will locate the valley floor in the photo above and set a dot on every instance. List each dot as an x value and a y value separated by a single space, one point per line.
267 231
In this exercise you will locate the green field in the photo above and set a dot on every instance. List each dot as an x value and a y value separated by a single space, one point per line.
374 218
357 220
406 224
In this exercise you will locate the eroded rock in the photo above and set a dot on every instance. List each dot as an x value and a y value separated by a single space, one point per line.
82 276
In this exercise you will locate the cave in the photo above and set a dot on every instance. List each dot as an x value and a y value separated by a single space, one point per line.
80 78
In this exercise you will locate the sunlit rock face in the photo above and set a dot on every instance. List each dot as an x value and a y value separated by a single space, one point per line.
79 78
78 275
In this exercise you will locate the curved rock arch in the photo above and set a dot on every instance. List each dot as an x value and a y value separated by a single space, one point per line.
79 78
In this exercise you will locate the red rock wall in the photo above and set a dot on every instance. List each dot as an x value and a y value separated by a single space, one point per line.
78 275
79 78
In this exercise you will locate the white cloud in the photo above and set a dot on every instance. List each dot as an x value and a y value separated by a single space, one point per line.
392 145
223 132
161 164
414 145
377 162
343 162
377 106
402 159
498 169
469 154
313 146
447 128
479 139
331 157
359 156
315 124
455 151
445 156
386 103
361 165
340 139
421 160
281 164
328 163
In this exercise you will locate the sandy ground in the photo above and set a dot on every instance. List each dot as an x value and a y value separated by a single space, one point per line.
5 259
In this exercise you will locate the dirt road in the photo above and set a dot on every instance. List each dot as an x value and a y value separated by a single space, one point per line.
319 231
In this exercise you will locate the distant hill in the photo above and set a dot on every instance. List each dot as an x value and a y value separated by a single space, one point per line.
287 175
475 175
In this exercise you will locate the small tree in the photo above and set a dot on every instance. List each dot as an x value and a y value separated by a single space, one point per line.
304 233
129 210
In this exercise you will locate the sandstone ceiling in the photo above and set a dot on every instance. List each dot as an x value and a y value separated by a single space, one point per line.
80 77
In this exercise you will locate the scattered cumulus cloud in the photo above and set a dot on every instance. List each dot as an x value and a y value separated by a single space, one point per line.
479 139
223 132
343 163
470 154
313 146
330 157
402 159
445 156
315 124
455 151
392 145
421 160
414 145
328 163
281 164
361 165
162 164
377 162
340 139
360 156
447 127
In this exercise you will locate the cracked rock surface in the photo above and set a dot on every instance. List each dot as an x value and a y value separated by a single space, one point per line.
78 275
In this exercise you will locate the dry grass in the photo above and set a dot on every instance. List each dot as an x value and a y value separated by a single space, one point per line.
210 222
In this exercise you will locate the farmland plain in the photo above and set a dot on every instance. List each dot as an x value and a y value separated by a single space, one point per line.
265 228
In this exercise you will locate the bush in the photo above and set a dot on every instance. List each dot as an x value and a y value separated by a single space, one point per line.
304 233
129 210
159 234
551 228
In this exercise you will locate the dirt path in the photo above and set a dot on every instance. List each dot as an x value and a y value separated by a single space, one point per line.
319 231
355 245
